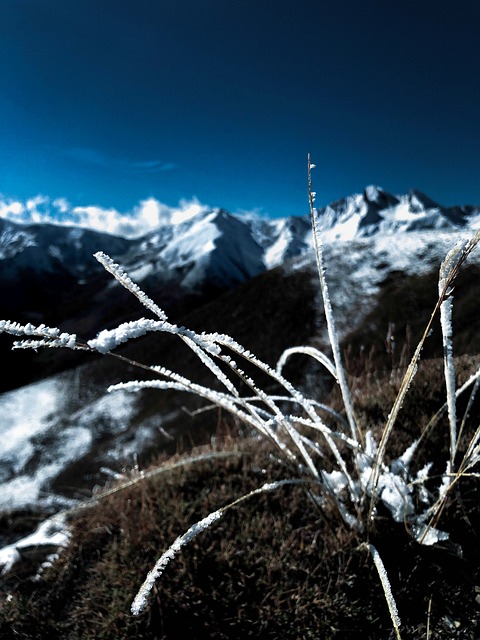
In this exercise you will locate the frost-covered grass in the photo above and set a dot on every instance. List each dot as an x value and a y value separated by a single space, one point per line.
340 463
271 568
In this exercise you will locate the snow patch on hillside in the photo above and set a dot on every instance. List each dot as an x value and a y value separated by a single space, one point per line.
42 431
355 269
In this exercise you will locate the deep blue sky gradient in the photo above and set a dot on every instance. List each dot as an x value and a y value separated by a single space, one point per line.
108 102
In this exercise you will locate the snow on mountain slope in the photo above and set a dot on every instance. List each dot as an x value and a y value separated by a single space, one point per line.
377 212
29 435
235 255
356 269
198 245
49 425
49 248
281 239
211 247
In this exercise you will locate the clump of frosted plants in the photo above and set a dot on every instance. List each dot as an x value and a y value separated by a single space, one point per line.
360 479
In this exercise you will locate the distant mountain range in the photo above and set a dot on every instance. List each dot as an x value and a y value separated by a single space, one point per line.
48 273
42 264
376 211
252 278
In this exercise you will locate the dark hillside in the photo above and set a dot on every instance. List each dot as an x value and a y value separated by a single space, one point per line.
267 314
391 330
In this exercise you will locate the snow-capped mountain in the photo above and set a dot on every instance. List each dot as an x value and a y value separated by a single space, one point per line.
376 211
212 249
209 248
48 272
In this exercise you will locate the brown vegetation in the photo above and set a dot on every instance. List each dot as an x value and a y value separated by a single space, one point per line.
274 567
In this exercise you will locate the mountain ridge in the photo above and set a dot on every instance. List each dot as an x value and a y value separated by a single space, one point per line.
214 246
49 275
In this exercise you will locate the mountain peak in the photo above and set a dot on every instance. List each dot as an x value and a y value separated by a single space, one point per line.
377 196
420 202
373 193
375 211
184 245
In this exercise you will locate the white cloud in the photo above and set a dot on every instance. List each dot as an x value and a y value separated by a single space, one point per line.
33 203
94 217
62 204
148 215
151 213
150 166
187 209
251 214
11 209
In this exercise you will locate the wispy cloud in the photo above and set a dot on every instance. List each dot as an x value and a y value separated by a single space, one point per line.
150 166
256 213
98 158
88 156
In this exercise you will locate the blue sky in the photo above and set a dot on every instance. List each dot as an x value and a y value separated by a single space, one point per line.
111 102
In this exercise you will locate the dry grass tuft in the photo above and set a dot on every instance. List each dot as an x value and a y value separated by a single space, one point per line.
273 568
